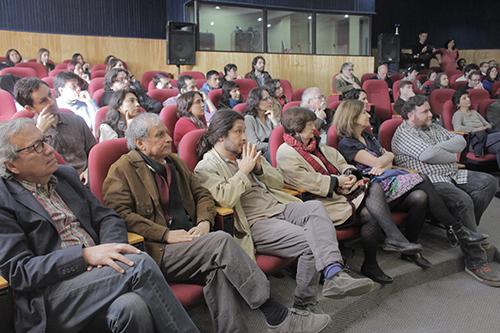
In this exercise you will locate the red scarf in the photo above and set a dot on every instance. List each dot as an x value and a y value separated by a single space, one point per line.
307 151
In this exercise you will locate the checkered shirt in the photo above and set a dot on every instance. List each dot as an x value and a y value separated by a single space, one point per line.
409 142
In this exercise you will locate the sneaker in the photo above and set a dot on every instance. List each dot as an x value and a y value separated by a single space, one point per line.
301 321
343 284
485 274
311 307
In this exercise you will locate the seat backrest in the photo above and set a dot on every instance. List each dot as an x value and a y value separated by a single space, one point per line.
495 89
453 77
334 105
62 66
245 86
438 97
98 73
200 83
99 118
148 76
289 105
95 84
49 80
7 105
331 136
397 76
161 95
40 69
187 147
28 114
194 74
240 108
477 95
377 92
168 117
101 157
19 71
56 71
297 94
215 96
447 115
386 132
332 98
458 84
287 89
97 67
97 95
367 76
275 141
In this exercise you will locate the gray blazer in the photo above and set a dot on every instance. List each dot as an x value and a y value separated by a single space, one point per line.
31 257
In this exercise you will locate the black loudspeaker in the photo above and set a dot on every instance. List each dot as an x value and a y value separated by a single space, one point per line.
388 49
181 39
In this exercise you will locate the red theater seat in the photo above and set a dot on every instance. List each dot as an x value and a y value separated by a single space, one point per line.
7 106
245 86
287 89
297 94
377 92
197 75
148 76
437 99
168 117
161 95
95 84
386 132
215 96
40 69
290 105
19 71
241 108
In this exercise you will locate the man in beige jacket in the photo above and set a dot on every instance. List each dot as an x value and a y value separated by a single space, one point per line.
268 220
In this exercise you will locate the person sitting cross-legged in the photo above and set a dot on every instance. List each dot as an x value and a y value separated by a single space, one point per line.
65 255
158 197
268 220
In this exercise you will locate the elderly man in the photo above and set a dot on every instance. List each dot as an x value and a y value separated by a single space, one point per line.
66 132
65 256
269 220
158 197
314 100
428 148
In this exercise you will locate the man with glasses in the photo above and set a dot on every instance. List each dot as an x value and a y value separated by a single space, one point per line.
65 131
65 256
119 78
314 100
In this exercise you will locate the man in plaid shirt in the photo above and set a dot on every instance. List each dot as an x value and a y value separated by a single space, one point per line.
429 149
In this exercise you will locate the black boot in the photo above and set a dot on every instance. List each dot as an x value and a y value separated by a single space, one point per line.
462 234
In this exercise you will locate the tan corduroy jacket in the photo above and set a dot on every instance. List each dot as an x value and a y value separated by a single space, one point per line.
130 189
214 174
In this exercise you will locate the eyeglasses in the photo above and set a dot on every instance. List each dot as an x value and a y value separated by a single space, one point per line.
36 147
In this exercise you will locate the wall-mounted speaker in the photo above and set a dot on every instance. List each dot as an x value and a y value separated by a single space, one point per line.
388 48
181 40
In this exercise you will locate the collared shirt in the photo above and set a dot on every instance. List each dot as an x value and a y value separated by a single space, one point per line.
72 139
66 223
257 203
409 142
86 110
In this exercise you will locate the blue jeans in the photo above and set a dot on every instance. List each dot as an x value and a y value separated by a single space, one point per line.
138 300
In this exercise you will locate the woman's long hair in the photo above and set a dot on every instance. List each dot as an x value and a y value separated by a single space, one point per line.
113 116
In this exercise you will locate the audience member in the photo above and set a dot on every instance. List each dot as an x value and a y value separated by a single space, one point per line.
213 82
493 63
449 56
65 256
382 74
65 131
118 79
314 100
115 63
177 232
346 80
490 79
405 93
69 95
258 73
268 220
162 81
410 74
422 50
123 108
278 99
441 82
428 84
412 193
467 70
12 57
231 95
424 146
108 58
77 69
78 57
360 95
230 73
185 83
461 63
481 136
190 113
260 120
42 57
483 67
321 171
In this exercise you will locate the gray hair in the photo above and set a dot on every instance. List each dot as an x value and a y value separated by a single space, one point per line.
7 149
307 95
345 65
139 128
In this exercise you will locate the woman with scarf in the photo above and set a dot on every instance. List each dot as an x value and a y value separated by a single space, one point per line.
404 191
190 113
321 171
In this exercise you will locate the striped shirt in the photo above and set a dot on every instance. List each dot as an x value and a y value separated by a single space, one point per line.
409 143
66 223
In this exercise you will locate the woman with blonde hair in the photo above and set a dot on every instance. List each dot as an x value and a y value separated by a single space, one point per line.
42 57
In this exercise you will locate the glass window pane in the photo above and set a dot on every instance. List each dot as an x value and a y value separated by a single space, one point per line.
226 28
342 34
289 32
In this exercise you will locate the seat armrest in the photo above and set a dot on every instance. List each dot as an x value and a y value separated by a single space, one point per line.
136 240
296 192
3 283
224 220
